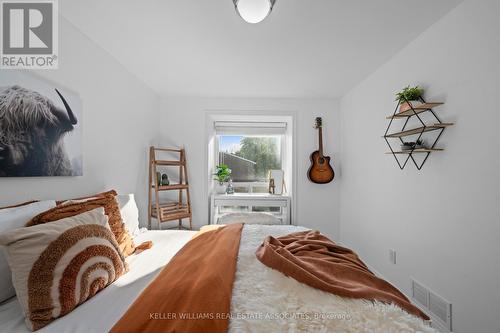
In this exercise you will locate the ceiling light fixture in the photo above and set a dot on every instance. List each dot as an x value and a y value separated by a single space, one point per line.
254 11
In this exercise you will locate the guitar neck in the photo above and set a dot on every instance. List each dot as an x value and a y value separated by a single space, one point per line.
320 133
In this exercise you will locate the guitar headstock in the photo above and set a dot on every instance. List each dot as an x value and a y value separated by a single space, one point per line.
318 122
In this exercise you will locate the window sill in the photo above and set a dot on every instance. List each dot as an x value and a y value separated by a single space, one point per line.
251 200
252 195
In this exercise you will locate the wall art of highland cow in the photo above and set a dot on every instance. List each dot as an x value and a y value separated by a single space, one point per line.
40 127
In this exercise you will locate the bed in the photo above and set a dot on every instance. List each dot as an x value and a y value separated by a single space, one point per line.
257 290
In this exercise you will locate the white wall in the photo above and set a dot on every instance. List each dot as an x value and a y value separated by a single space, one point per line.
183 123
444 220
119 119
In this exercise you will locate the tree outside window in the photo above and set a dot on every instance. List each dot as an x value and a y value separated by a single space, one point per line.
250 157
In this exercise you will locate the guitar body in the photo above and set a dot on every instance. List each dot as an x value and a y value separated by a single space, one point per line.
320 171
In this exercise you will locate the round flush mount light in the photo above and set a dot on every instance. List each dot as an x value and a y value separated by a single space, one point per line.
254 11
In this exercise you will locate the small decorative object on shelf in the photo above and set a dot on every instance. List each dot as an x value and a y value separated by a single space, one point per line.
222 175
164 180
409 97
411 104
230 187
279 181
420 144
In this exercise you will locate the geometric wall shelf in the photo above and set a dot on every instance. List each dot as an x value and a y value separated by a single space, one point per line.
426 122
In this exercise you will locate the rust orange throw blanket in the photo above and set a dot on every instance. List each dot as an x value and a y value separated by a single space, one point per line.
315 260
193 292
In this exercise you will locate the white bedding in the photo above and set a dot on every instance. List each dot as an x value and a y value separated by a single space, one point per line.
265 300
257 291
101 312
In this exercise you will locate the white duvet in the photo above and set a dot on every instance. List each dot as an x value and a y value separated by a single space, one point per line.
263 300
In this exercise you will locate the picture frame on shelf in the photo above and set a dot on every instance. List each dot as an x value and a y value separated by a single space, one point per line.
278 176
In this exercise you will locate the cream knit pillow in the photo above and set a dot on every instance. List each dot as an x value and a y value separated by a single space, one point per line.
57 266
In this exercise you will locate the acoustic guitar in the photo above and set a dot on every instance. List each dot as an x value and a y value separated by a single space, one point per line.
320 171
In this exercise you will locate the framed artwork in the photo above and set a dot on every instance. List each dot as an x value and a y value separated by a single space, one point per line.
278 177
40 127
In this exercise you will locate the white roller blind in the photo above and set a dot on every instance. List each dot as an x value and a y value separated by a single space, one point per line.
249 128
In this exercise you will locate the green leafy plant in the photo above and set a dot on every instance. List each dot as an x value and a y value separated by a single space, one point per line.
263 151
409 94
222 173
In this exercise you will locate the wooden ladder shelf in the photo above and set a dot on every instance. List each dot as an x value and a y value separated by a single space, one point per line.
170 211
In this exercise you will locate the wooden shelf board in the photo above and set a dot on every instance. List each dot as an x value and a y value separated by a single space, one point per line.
173 217
416 151
418 130
166 163
418 109
172 187
170 212
169 206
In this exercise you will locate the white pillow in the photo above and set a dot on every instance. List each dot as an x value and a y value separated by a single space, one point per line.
13 218
249 218
129 213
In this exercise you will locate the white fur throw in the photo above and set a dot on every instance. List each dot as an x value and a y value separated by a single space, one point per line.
265 300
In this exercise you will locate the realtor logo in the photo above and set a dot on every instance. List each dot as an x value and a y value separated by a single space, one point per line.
29 34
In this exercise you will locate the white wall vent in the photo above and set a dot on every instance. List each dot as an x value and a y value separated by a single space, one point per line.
420 294
434 305
441 309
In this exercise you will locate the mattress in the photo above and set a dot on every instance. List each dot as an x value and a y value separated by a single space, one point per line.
101 312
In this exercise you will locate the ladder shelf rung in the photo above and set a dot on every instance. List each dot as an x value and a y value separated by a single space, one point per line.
168 163
171 215
171 187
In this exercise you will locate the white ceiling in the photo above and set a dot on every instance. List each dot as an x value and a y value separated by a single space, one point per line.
305 48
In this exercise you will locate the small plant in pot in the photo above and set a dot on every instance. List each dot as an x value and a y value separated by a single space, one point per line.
409 97
222 175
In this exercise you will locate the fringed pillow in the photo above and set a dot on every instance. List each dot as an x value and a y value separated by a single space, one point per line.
95 196
76 207
58 266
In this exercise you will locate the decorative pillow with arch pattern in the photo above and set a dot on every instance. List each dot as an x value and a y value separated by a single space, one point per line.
58 266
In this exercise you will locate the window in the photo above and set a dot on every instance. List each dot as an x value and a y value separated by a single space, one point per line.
250 149
250 157
251 143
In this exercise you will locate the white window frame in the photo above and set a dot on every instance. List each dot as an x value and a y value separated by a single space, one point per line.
288 151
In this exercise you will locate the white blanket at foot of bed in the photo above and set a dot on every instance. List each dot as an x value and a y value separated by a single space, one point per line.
264 300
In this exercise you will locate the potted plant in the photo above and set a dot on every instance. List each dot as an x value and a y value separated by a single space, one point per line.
222 175
409 97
